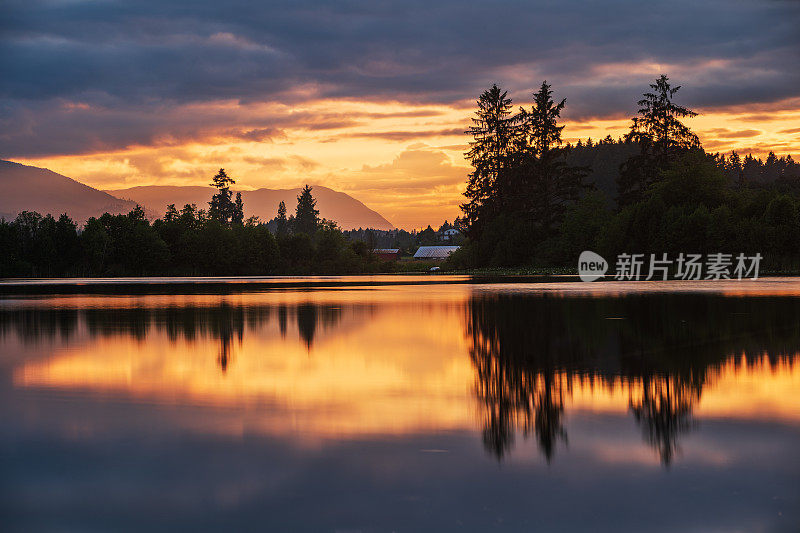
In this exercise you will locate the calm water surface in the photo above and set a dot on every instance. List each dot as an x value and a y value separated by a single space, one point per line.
318 406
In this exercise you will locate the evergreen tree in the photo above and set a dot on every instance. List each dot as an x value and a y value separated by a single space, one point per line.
67 246
543 183
188 215
427 237
661 137
659 129
522 183
137 214
494 135
369 238
733 168
237 216
306 219
221 207
541 128
171 214
282 223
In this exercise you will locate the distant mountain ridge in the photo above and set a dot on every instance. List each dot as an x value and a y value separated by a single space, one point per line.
28 188
348 212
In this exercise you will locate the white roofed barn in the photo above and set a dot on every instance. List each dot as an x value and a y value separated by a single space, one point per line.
435 252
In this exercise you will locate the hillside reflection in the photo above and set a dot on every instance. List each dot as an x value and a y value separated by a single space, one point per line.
223 322
530 353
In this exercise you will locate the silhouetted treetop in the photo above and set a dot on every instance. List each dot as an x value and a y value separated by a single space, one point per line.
540 124
658 128
282 222
661 137
494 132
221 207
306 219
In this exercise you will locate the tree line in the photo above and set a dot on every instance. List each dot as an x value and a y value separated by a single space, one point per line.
534 200
187 241
406 241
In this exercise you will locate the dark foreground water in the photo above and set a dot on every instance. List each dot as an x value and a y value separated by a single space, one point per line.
363 407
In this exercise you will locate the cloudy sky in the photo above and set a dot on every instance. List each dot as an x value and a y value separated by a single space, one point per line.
368 97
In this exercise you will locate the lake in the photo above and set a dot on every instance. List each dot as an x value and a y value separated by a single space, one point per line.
399 403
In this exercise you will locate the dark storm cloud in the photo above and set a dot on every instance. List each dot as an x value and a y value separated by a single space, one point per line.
129 61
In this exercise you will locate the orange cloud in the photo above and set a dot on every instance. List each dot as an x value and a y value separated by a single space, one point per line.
371 150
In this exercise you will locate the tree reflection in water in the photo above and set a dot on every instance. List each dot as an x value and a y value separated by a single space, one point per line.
515 399
664 410
223 322
529 350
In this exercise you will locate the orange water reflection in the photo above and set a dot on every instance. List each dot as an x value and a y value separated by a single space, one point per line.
370 376
349 363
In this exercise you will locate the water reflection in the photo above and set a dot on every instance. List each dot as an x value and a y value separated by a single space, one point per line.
35 325
223 322
388 408
400 361
531 351
315 365
663 408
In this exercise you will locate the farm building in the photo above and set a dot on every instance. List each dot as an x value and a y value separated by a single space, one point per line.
435 252
387 254
450 234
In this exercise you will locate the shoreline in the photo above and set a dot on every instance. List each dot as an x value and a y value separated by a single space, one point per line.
234 284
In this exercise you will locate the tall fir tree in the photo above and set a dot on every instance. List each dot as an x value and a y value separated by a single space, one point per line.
221 207
494 134
237 215
659 129
306 218
521 176
282 224
172 213
661 137
541 128
543 183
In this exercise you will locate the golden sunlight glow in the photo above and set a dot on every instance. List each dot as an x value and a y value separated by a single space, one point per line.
391 364
405 161
371 376
755 391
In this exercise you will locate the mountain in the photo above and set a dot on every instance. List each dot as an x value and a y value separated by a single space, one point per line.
344 209
25 188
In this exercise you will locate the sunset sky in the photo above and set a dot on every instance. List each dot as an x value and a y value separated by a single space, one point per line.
370 98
